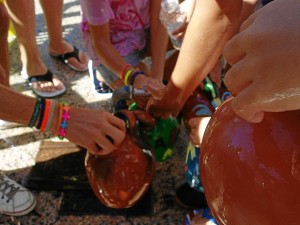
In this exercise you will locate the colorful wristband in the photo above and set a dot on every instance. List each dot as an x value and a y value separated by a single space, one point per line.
42 110
49 123
46 115
127 75
124 69
36 112
64 124
134 75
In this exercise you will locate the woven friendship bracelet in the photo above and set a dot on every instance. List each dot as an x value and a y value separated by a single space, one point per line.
63 126
36 112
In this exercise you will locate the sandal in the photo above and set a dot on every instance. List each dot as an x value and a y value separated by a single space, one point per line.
64 58
48 76
100 86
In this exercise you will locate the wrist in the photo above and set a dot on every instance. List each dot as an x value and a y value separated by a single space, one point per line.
174 95
62 125
135 76
56 118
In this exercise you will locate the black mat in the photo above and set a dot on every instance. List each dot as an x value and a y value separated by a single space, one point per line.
60 167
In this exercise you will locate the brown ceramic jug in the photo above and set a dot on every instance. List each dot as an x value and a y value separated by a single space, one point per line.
121 178
251 172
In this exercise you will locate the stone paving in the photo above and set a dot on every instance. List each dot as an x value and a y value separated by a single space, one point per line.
19 146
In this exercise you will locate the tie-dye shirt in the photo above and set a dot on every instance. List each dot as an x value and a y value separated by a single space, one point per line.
128 21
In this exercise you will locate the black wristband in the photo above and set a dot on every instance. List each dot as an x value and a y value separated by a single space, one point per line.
134 75
42 110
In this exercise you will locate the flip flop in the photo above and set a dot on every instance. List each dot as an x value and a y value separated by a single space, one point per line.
64 58
99 86
48 76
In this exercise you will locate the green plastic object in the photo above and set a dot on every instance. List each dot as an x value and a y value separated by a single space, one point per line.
162 138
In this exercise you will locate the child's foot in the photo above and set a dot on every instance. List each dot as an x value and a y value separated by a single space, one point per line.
45 85
70 55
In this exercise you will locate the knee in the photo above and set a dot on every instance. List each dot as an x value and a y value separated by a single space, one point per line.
4 20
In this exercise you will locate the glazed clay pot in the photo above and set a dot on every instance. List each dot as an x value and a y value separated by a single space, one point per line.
121 178
251 172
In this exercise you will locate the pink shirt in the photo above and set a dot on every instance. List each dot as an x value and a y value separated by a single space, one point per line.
128 21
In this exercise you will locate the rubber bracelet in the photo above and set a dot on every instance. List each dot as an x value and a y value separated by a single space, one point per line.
49 123
36 112
46 115
42 110
127 75
64 123
134 75
124 69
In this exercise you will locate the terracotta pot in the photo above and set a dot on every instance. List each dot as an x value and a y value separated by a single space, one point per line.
121 178
251 172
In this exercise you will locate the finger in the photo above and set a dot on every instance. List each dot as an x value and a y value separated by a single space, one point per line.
248 22
104 147
246 105
194 122
115 135
99 147
163 115
141 102
233 51
238 77
148 107
180 30
156 89
154 107
117 122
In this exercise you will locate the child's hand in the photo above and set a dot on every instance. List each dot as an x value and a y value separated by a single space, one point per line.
197 129
159 104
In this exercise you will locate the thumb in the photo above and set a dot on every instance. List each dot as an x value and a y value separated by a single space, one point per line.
245 106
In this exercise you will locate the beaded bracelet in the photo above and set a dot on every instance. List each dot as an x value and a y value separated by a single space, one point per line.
64 125
36 112
134 75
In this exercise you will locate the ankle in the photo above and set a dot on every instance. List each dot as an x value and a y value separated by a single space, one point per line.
59 47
